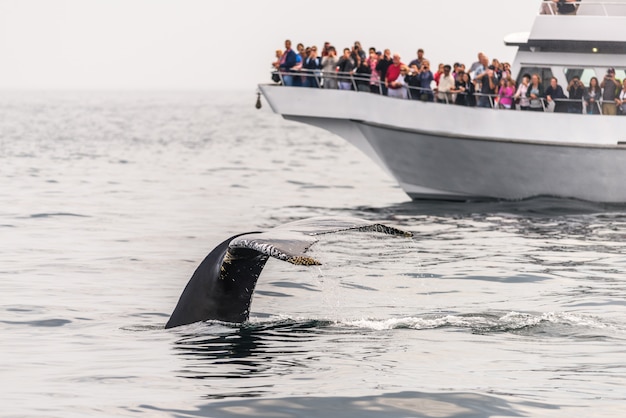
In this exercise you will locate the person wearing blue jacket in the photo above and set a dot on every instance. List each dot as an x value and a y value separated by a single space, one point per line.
287 62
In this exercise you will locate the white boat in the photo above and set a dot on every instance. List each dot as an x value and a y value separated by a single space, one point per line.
444 151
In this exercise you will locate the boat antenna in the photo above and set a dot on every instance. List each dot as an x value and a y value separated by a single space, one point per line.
258 100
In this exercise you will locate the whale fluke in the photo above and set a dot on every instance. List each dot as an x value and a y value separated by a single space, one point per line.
221 288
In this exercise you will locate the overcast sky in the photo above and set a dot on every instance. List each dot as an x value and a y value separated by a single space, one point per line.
209 44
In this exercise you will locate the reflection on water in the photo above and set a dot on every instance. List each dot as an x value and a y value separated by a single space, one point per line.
248 350
389 405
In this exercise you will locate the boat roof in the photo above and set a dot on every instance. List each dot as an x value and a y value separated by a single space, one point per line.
596 26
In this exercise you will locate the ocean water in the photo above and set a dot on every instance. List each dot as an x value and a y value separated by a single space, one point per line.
111 199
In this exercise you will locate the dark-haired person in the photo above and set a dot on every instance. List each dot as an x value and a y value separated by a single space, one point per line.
345 66
329 68
372 61
520 96
535 93
426 79
419 60
566 7
488 85
413 82
287 61
362 73
593 93
311 67
383 64
576 92
620 101
464 89
446 83
554 93
610 86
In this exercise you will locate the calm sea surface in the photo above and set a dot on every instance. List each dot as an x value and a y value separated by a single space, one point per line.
110 201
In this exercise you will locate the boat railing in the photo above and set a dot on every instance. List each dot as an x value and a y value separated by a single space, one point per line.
361 83
583 8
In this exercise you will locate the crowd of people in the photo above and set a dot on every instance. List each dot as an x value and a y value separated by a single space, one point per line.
486 83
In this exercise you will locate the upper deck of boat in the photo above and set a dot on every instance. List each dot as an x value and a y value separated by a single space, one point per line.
595 25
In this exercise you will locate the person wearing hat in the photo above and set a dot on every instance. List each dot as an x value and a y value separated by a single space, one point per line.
446 83
610 86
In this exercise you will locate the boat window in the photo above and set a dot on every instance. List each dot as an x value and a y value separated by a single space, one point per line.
584 74
545 73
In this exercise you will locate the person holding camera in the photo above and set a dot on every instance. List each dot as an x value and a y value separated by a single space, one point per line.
426 78
610 88
576 92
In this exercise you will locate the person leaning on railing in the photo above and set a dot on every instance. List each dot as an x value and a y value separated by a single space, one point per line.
464 90
520 96
287 61
620 101
554 93
535 93
505 93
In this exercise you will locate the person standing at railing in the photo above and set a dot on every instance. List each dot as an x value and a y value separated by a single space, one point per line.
592 97
535 93
419 60
505 93
276 64
520 96
372 61
479 66
329 68
620 101
576 92
345 67
286 63
397 87
566 7
554 94
357 50
446 83
464 89
426 79
311 67
382 66
413 82
610 88
488 85
362 74
393 72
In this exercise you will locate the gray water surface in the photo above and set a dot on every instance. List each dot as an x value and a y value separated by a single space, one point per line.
111 200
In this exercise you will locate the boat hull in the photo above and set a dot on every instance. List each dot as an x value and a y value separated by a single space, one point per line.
431 159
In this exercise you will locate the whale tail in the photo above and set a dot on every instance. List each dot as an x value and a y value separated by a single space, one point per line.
290 242
222 286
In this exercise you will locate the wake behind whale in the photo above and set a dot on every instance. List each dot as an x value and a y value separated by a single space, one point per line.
221 288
